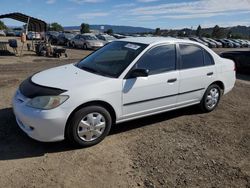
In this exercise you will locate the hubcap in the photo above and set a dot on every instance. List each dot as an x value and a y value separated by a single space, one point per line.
91 126
212 98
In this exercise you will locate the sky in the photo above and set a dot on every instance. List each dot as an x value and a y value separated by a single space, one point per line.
165 14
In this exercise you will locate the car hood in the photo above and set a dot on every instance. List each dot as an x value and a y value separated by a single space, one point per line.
66 77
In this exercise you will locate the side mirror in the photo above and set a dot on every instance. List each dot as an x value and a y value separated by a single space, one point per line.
138 73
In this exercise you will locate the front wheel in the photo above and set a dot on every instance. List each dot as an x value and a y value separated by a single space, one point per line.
211 98
89 126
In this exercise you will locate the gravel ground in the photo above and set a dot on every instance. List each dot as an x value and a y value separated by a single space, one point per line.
182 148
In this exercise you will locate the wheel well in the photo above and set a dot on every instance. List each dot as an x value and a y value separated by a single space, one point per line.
92 103
220 84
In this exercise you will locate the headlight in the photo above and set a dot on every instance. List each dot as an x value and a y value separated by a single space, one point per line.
47 102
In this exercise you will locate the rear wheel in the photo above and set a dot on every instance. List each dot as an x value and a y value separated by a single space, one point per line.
89 126
211 98
85 47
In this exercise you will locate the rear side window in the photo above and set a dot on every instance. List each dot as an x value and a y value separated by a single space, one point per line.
159 59
191 56
208 59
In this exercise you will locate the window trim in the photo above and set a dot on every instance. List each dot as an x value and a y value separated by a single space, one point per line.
152 47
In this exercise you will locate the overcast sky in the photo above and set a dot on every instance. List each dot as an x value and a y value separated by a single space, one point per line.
146 13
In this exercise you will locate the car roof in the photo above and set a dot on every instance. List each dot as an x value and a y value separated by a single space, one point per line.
155 40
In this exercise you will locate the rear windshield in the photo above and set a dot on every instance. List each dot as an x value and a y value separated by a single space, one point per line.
112 59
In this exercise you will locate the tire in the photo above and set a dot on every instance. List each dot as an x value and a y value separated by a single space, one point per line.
73 45
85 47
211 98
88 126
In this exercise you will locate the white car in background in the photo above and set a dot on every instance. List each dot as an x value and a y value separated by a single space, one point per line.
125 80
33 35
86 41
106 38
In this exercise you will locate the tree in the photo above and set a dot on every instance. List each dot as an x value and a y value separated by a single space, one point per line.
84 28
109 31
207 35
229 34
2 25
198 31
218 32
55 27
157 31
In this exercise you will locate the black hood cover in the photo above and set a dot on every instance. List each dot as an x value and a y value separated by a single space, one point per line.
31 90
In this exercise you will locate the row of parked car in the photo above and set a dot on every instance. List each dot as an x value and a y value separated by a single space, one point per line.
91 41
219 43
85 41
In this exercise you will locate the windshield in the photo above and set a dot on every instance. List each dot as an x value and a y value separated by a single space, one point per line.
110 38
89 37
112 59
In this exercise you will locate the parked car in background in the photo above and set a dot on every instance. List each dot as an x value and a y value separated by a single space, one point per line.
64 38
52 36
10 33
238 42
106 38
198 40
86 41
210 43
241 59
127 79
33 35
225 44
118 36
2 33
18 33
218 44
246 43
235 44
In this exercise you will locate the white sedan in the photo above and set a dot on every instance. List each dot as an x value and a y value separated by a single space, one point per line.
126 79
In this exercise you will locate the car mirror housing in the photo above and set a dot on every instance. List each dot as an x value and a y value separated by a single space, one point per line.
138 73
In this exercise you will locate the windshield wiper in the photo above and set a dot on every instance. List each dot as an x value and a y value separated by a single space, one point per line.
90 69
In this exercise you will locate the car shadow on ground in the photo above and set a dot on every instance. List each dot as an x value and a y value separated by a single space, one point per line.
243 76
14 144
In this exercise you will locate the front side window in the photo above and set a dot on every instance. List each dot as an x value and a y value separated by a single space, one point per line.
159 59
112 59
191 56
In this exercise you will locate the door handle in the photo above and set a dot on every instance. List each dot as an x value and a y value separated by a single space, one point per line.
172 80
210 74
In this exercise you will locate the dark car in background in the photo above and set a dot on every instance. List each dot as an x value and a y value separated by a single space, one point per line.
241 59
64 38
52 36
10 33
225 44
235 44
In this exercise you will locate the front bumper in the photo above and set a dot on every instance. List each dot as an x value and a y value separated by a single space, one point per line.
94 47
41 125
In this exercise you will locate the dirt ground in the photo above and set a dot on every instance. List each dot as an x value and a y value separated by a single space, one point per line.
182 148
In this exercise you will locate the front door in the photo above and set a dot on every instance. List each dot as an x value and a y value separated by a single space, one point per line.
158 91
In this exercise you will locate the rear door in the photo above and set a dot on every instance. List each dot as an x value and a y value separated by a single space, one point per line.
143 95
197 71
